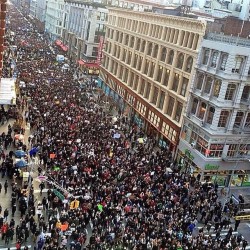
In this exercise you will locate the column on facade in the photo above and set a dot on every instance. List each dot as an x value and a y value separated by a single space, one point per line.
168 34
185 40
223 90
232 120
181 37
150 29
151 91
216 118
190 40
195 41
174 109
176 34
239 92
129 78
139 83
164 33
179 85
172 35
165 106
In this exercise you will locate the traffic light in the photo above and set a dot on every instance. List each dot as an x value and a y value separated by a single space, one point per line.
74 204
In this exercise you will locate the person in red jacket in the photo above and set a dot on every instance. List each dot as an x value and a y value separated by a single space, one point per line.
4 229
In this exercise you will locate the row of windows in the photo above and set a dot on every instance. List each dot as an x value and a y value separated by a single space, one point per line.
212 86
218 60
167 34
152 50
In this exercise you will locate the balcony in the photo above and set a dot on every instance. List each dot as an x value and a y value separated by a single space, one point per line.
228 39
236 158
241 130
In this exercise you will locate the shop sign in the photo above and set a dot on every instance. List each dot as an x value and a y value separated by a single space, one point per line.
211 167
58 194
246 184
188 154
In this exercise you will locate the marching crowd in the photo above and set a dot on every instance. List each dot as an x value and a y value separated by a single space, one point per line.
129 195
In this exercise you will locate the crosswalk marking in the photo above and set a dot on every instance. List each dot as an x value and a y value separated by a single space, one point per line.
14 248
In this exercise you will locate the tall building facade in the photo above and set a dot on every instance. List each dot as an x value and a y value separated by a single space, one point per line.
147 67
54 18
84 32
215 138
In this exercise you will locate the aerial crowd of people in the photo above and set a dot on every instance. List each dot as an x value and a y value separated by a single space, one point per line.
115 191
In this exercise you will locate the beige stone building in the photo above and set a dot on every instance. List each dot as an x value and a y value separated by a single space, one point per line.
147 67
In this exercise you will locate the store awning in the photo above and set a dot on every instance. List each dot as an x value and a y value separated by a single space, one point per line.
58 42
7 91
88 65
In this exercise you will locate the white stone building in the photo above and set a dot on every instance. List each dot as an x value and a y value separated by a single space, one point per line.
84 29
54 18
215 138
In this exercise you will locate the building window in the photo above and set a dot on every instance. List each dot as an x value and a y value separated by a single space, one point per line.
230 92
170 106
224 58
189 64
143 46
208 85
238 119
132 41
178 111
138 43
194 105
150 47
205 56
170 57
215 150
200 79
202 110
217 86
163 54
175 82
184 86
142 87
180 61
159 74
147 90
161 101
126 39
152 70
224 115
238 62
146 67
210 115
214 59
155 52
166 77
245 93
155 95
247 123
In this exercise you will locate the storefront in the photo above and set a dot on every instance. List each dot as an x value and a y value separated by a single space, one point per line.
89 68
218 171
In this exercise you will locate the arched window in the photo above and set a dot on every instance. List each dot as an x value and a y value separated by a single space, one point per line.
155 53
189 64
180 61
202 110
150 47
231 88
138 43
126 39
170 57
217 86
210 115
163 54
194 105
208 85
214 59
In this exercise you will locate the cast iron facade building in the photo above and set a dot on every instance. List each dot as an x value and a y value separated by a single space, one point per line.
147 67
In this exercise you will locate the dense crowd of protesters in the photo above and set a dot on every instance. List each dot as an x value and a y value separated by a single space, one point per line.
131 195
